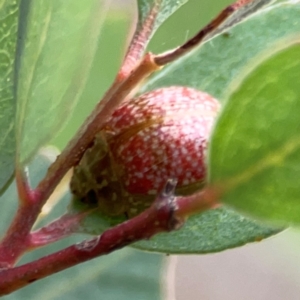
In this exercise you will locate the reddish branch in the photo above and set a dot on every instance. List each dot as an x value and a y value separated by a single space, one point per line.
164 215
140 41
56 230
245 5
16 239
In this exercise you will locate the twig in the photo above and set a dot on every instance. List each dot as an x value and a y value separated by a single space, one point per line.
56 230
164 215
139 41
16 239
246 6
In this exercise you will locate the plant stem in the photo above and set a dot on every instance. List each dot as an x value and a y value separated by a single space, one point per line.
198 202
56 230
243 7
16 239
140 40
159 217
164 215
25 193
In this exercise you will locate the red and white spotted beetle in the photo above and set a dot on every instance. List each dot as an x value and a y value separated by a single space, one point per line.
159 135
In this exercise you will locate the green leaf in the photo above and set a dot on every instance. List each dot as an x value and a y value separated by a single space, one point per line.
214 65
255 150
56 48
213 231
125 274
164 9
8 24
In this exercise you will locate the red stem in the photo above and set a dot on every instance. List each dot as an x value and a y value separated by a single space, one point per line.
164 215
140 41
17 235
56 230
25 193
248 5
159 217
198 202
